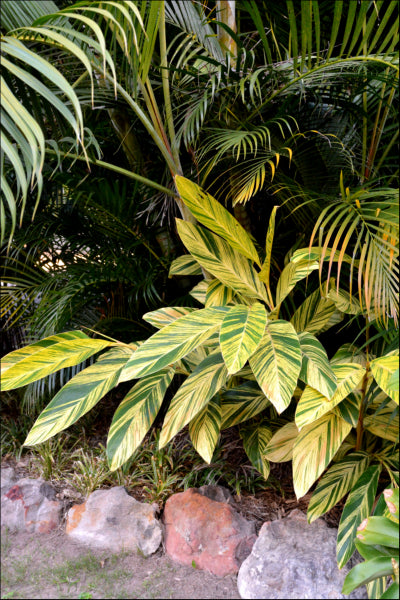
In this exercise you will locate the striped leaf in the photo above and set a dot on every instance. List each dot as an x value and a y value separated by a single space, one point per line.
377 568
13 358
280 447
199 291
336 482
193 395
184 265
277 363
242 403
174 341
135 415
349 408
76 398
315 314
315 369
314 448
349 354
205 427
344 302
213 215
383 368
312 404
164 316
255 439
221 260
47 357
218 294
265 269
291 274
384 423
357 508
240 334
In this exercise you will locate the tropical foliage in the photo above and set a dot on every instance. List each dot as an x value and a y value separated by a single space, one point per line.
287 115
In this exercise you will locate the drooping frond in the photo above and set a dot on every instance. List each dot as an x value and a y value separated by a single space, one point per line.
365 224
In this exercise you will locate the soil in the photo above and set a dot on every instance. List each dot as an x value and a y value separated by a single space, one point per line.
54 566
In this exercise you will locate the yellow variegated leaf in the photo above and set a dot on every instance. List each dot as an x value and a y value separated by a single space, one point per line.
315 314
193 395
315 253
242 403
349 354
213 215
316 370
383 369
46 357
77 397
358 506
135 415
312 404
349 408
255 439
276 363
205 427
184 265
164 316
291 274
174 341
241 332
336 482
314 448
218 294
13 358
221 260
384 422
199 291
344 302
265 269
280 446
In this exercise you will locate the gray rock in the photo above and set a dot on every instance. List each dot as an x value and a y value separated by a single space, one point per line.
29 505
294 559
218 493
7 479
112 520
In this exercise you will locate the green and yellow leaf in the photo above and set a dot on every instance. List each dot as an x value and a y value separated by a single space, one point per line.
292 274
349 354
344 302
199 291
135 415
280 446
240 334
357 508
363 573
205 427
349 408
164 316
52 354
336 482
312 404
314 448
276 363
265 269
383 368
384 423
76 398
213 215
255 439
218 294
193 395
185 265
315 314
316 370
174 341
221 260
242 403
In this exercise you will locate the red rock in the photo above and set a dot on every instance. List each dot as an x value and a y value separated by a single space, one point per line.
210 533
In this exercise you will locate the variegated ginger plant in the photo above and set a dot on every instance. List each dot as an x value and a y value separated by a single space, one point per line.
244 365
